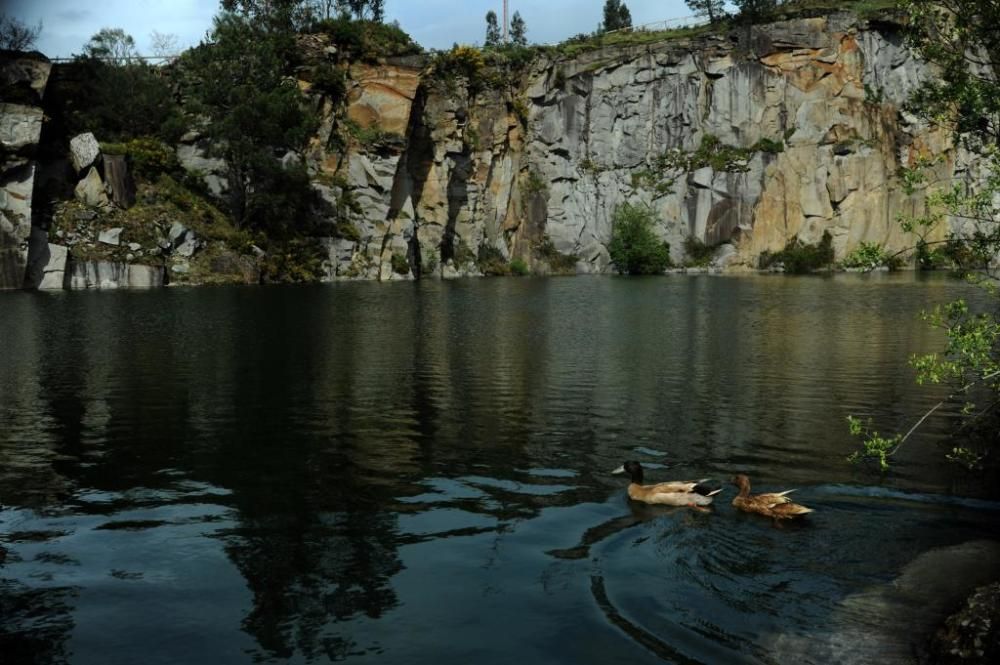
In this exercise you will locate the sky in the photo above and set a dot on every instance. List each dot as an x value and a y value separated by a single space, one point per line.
68 24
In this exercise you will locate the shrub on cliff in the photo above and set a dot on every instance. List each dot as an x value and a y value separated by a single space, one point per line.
634 247
149 157
368 40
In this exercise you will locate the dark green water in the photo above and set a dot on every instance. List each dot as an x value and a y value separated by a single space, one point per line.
417 473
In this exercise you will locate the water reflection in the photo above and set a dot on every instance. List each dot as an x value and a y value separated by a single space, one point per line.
332 473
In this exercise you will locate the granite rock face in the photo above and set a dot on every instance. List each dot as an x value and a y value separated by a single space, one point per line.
111 275
817 104
22 84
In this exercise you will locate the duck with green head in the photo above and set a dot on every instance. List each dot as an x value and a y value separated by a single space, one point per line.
675 493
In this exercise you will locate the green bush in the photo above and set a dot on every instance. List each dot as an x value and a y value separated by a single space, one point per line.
490 261
698 253
798 257
368 40
372 136
519 267
330 81
293 260
149 157
89 97
465 62
769 146
869 256
634 247
534 183
400 264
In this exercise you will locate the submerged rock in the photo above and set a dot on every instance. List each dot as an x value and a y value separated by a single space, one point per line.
971 636
889 623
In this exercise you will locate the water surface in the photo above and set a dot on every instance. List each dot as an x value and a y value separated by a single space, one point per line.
417 473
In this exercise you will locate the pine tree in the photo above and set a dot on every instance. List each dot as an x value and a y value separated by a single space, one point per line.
492 30
755 9
616 16
712 9
518 30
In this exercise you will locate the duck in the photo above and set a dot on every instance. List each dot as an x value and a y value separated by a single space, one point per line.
676 493
776 505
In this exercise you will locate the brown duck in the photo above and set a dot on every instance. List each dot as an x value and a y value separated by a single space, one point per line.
776 505
676 493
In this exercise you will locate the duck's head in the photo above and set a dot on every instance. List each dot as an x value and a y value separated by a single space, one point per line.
633 469
741 481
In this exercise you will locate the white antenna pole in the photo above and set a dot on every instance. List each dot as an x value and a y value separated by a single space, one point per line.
506 21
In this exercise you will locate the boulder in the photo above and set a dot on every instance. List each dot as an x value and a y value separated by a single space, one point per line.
188 246
84 150
90 190
176 233
110 236
20 127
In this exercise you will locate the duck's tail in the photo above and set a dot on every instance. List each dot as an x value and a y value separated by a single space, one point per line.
705 490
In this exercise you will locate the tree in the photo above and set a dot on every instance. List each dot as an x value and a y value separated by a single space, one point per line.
16 35
364 9
492 30
255 115
111 45
713 10
518 30
634 247
960 37
753 10
616 16
163 44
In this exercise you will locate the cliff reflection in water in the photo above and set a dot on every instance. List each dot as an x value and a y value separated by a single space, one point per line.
321 441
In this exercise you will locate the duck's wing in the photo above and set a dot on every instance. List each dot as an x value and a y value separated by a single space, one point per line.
676 486
775 498
790 509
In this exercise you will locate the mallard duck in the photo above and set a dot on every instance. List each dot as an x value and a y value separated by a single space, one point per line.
776 505
676 493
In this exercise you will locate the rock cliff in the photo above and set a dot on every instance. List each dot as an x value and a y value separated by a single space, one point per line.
23 77
741 139
805 121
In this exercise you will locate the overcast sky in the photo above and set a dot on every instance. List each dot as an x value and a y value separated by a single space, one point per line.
68 24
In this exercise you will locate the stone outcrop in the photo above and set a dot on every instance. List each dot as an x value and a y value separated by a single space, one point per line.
23 77
111 275
816 104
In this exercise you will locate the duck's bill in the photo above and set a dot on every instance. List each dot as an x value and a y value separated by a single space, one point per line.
619 470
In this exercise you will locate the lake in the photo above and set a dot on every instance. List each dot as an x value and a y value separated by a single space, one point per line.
418 472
